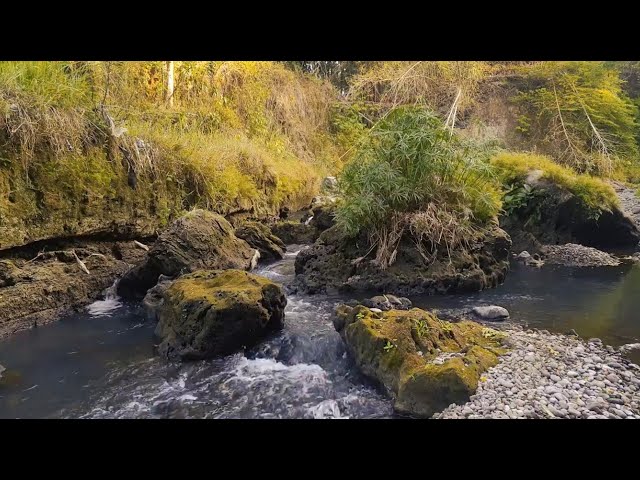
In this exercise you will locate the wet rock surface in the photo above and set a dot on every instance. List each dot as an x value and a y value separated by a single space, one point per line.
336 262
37 288
424 363
555 216
554 376
259 236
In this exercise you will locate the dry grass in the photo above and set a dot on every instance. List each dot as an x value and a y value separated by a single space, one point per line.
240 136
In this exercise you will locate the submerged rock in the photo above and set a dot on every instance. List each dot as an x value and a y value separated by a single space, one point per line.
491 312
259 236
336 262
212 313
573 255
198 240
388 302
426 364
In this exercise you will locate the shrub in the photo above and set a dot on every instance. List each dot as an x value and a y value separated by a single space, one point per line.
578 112
412 175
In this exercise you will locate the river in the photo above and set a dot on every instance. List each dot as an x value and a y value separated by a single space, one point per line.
100 363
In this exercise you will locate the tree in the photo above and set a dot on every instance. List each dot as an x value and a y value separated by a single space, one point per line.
169 96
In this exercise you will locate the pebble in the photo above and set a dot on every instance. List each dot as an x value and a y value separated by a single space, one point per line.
545 375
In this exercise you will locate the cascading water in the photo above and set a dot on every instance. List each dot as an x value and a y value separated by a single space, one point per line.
301 372
101 362
106 306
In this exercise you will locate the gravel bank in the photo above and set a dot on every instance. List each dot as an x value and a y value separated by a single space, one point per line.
629 201
574 255
555 376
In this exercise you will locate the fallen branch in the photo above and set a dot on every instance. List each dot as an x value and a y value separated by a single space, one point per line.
80 263
141 245
36 257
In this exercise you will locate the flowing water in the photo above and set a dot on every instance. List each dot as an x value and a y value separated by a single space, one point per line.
101 363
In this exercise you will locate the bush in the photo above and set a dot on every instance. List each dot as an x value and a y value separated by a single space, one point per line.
578 112
412 175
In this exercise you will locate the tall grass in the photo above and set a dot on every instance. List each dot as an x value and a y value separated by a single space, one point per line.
411 175
240 135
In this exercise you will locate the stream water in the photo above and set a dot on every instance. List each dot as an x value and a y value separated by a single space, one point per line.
101 363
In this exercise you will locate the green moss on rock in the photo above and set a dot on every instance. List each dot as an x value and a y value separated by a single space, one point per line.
423 362
217 312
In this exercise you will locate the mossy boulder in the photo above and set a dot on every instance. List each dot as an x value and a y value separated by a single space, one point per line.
260 237
9 273
217 312
335 262
550 214
424 363
198 240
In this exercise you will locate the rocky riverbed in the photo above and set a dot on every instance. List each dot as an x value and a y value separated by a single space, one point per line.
555 376
629 201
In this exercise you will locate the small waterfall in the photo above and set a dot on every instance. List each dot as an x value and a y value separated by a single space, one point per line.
111 302
308 220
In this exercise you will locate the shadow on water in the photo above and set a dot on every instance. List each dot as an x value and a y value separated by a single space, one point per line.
100 363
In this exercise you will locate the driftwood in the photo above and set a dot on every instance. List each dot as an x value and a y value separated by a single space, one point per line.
141 245
83 267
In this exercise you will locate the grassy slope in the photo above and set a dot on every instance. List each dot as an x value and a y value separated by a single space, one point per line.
240 136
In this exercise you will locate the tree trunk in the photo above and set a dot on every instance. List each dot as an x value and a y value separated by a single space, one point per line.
169 97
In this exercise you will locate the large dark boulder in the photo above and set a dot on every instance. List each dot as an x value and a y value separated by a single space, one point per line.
345 264
553 215
198 240
260 237
216 312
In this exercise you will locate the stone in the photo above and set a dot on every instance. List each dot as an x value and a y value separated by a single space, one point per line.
330 183
492 312
198 240
335 262
212 313
385 348
260 237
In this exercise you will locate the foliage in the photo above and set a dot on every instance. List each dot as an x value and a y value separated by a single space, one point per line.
432 84
240 135
421 326
578 112
413 174
339 73
517 196
513 169
389 346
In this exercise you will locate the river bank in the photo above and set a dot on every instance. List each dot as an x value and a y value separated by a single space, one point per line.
555 376
100 363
